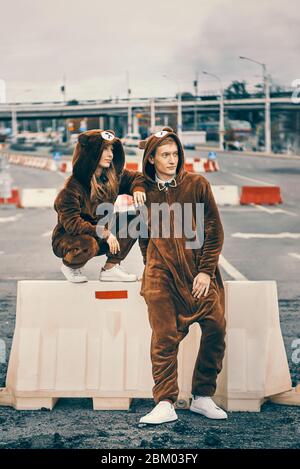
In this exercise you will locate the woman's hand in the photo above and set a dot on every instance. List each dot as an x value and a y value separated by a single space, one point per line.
201 285
113 243
139 198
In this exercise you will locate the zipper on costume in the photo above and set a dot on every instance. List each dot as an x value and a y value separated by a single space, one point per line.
178 253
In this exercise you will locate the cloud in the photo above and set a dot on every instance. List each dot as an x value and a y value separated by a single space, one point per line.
93 43
263 30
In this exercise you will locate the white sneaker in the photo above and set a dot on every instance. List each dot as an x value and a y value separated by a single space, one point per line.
163 412
117 274
73 275
205 405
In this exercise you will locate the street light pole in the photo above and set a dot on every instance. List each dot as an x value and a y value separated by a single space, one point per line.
152 115
221 116
195 107
222 124
179 115
179 106
266 80
63 89
129 111
268 136
14 118
14 123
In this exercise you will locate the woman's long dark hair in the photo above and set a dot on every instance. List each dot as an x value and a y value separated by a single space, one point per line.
107 187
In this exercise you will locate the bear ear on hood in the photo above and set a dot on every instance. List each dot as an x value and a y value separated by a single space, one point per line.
83 139
142 144
168 129
111 132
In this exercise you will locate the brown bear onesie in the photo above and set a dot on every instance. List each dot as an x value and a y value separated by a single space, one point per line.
170 269
74 238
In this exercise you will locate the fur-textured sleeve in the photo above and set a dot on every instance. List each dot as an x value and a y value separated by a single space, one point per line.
131 181
67 205
213 233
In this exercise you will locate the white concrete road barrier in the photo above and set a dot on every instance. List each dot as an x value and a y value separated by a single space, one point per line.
198 165
93 340
33 198
134 163
30 160
256 365
226 195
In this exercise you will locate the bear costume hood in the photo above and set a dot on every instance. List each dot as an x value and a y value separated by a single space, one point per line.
88 152
149 145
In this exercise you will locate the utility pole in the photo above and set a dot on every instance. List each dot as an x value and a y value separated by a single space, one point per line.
179 115
266 81
129 112
14 117
152 115
268 138
221 115
63 89
179 106
63 92
14 123
196 96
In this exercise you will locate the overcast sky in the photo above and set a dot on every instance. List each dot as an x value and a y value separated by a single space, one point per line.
93 43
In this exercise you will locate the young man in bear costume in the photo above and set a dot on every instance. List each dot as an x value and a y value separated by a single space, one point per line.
181 285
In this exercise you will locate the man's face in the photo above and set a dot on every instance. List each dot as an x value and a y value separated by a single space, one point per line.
105 160
166 160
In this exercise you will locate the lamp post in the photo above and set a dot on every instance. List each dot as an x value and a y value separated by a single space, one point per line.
195 83
63 89
129 111
179 106
221 116
152 115
266 80
14 118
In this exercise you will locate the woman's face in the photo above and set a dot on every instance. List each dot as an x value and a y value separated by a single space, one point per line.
105 160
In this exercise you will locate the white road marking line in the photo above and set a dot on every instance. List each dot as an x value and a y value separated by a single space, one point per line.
274 210
15 278
230 269
47 233
9 219
224 208
237 209
266 235
294 254
253 180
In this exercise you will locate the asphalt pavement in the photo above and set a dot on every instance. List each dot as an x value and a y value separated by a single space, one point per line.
261 243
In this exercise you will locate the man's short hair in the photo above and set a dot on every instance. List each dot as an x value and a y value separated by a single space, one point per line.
166 141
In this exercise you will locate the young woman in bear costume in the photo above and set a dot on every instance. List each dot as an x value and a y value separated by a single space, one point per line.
98 176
